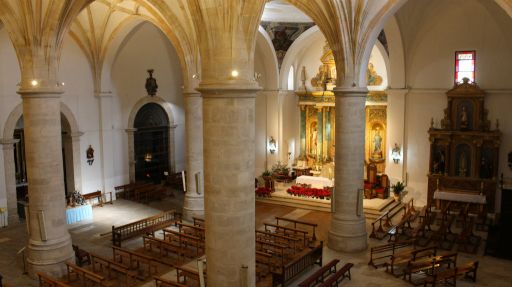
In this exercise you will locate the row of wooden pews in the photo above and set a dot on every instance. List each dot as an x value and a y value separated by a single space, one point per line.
328 276
420 265
141 191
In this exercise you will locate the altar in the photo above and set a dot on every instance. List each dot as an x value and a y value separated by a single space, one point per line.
314 181
78 213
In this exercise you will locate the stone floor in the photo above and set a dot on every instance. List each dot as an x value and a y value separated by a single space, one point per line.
94 236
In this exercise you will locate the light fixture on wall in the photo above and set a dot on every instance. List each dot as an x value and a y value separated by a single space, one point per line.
395 153
272 145
89 153
148 157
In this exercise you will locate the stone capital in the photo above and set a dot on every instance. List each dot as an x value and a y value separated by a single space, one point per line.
40 92
172 127
8 144
356 92
229 89
76 135
191 94
130 131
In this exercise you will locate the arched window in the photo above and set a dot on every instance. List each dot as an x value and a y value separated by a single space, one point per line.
291 79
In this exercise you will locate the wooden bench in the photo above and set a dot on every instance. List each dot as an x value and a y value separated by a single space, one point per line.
292 242
297 266
199 222
84 276
395 231
47 281
124 191
184 274
402 259
144 226
288 231
100 198
191 230
320 274
190 245
112 266
299 222
264 264
82 257
336 279
164 247
161 282
136 261
468 270
387 250
429 265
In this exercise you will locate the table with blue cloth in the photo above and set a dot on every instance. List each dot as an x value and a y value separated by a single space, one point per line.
78 213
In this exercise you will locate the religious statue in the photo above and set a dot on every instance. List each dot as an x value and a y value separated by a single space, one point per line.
314 138
90 155
463 118
463 164
372 78
377 142
151 85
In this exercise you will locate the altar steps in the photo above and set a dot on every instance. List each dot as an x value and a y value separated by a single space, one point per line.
297 202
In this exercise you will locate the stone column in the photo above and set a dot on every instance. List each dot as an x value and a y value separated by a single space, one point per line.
49 245
10 179
172 144
131 153
348 228
193 205
229 130
327 133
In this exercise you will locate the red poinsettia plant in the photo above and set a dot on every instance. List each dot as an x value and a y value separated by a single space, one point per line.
263 191
306 191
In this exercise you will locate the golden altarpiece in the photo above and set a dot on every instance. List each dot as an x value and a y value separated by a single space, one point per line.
317 117
464 151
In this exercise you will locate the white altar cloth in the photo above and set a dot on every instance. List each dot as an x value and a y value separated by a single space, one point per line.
314 181
461 197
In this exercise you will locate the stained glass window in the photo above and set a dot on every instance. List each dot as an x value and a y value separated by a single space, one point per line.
465 65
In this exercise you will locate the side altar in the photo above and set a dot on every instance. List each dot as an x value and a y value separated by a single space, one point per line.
464 151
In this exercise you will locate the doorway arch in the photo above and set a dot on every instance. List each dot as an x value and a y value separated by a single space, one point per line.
165 110
70 141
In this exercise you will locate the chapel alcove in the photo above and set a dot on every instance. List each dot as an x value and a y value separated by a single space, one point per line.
151 141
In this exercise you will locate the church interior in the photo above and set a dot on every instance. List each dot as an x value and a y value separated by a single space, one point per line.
255 143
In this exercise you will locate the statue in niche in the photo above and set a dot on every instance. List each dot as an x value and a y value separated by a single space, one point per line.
463 118
377 145
463 165
314 138
151 85
439 164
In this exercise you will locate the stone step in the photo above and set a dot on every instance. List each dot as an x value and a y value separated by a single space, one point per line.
392 207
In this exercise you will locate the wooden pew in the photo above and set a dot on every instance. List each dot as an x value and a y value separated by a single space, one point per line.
395 231
199 222
299 222
100 198
144 226
124 191
191 246
320 274
275 249
99 263
384 221
297 266
336 279
387 250
291 242
164 247
428 265
47 281
468 270
263 264
288 231
137 261
184 274
402 259
191 230
84 276
161 282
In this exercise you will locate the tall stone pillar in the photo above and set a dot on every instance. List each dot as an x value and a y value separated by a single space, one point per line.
49 245
106 148
194 197
348 228
10 179
131 153
229 155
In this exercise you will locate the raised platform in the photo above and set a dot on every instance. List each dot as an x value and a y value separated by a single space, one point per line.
373 208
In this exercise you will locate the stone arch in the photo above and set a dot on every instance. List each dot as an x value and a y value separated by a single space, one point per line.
131 130
264 44
8 142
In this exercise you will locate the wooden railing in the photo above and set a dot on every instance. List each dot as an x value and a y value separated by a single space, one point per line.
145 226
380 233
47 281
294 268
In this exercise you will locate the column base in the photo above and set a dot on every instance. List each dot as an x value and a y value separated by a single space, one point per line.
348 235
49 257
193 207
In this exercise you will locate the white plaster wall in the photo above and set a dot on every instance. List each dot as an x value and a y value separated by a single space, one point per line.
78 95
309 56
146 48
9 77
432 31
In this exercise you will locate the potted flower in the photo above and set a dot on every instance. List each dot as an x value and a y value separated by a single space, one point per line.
267 177
398 189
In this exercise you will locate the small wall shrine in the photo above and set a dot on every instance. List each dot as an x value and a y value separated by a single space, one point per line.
464 151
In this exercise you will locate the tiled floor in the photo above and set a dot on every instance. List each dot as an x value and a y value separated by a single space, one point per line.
94 236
